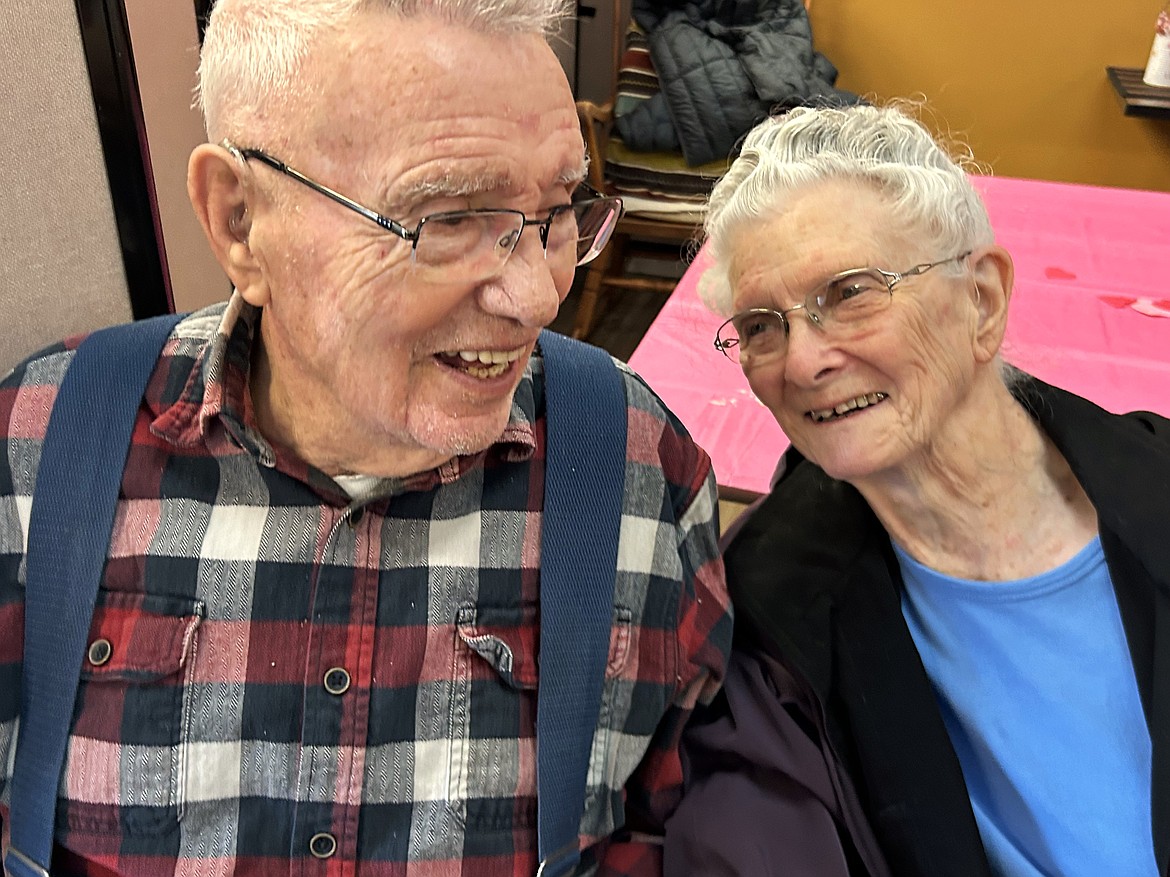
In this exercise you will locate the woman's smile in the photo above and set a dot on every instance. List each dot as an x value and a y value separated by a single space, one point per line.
847 408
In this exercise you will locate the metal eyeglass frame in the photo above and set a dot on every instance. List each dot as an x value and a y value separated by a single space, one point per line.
412 236
810 307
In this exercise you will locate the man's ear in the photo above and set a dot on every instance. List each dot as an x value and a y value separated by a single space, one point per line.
993 274
216 189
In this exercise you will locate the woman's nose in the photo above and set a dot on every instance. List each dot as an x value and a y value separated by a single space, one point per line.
812 353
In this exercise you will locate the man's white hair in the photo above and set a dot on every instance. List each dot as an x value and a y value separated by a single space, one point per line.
253 49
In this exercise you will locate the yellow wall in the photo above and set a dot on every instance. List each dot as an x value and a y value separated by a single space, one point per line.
1022 83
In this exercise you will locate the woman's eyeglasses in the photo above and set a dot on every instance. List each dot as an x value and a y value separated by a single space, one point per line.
845 299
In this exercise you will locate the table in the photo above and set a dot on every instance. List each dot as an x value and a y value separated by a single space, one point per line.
1090 313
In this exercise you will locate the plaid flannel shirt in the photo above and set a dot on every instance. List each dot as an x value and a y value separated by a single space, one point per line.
298 683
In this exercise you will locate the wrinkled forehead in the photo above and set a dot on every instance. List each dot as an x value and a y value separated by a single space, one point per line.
810 235
443 107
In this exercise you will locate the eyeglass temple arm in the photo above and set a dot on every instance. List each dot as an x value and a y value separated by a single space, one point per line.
384 221
919 269
926 266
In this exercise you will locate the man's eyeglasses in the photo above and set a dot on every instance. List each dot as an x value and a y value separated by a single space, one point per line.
473 245
846 299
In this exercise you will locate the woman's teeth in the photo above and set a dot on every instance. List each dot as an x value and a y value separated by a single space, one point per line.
823 414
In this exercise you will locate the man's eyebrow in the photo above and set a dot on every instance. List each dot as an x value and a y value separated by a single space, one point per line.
450 186
572 176
454 186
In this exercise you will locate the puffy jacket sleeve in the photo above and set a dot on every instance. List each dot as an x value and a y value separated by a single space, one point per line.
758 797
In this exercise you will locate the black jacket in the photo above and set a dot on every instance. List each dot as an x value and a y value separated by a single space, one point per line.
828 732
724 65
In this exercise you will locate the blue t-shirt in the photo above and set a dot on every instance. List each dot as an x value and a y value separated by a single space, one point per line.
1037 690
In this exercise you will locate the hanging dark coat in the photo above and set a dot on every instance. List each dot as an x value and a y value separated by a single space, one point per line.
724 65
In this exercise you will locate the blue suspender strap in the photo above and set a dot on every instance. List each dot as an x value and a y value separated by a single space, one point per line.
76 494
585 462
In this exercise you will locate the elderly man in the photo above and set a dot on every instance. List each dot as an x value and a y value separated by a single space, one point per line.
320 614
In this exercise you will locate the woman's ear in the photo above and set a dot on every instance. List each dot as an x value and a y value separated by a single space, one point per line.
216 189
992 275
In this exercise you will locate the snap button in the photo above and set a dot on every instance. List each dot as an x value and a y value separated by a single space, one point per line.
322 845
337 680
100 651
355 518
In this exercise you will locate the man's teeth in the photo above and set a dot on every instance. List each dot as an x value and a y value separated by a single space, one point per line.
823 414
484 363
487 357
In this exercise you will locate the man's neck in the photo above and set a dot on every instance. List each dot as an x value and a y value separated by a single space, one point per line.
304 424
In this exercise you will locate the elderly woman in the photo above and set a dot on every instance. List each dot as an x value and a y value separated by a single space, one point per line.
953 622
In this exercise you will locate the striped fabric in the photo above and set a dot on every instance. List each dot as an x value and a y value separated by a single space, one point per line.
655 184
300 683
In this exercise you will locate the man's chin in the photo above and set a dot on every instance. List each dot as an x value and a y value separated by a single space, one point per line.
456 436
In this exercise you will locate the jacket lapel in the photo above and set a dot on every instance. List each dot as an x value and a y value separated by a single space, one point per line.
834 615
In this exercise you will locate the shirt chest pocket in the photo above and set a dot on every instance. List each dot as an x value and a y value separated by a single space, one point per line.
124 763
492 766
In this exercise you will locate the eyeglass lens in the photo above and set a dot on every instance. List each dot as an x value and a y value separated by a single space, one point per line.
596 219
849 298
478 242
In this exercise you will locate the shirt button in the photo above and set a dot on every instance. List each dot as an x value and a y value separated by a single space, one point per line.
322 845
100 651
337 680
355 518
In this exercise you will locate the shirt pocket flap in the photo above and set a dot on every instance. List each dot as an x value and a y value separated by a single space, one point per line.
140 637
505 638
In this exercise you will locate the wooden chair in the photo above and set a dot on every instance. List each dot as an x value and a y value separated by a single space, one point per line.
643 233
635 235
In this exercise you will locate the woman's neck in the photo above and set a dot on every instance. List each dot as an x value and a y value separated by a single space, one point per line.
991 499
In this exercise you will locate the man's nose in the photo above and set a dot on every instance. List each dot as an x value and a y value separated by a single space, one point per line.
528 288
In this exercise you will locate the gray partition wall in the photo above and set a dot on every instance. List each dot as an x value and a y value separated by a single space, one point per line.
79 247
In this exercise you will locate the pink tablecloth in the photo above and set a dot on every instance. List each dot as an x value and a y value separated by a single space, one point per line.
1091 313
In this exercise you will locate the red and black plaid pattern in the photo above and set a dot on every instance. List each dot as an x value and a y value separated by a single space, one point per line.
299 683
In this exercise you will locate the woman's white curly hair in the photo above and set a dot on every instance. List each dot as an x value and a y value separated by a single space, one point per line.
886 147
